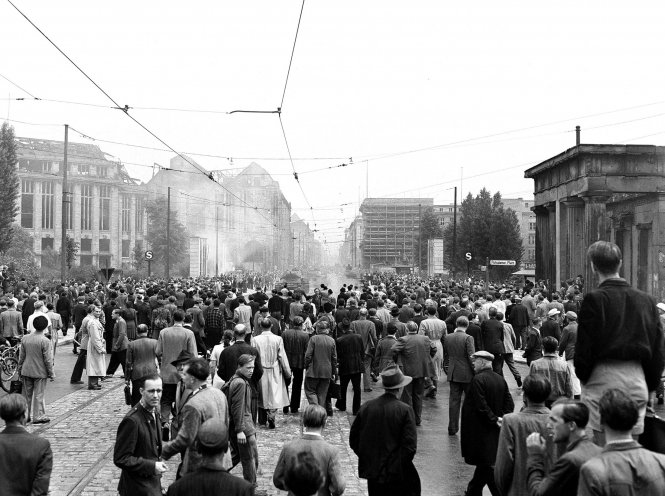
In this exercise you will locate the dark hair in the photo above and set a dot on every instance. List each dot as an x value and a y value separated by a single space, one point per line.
492 312
314 416
462 321
13 407
303 475
606 256
617 410
198 368
149 377
227 337
417 307
550 344
431 310
178 316
499 315
537 388
573 411
40 322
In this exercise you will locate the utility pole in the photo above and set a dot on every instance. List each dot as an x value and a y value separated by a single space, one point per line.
168 234
452 264
487 274
63 216
216 240
420 237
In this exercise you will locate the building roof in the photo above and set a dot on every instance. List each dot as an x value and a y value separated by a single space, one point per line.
42 149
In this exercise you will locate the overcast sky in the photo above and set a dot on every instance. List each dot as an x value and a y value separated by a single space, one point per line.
422 95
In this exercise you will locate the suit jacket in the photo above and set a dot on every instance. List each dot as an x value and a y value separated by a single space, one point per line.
26 461
321 357
474 331
384 437
350 354
141 355
171 341
519 316
295 346
367 331
457 350
228 362
326 456
383 356
414 353
36 358
492 332
138 446
11 323
211 478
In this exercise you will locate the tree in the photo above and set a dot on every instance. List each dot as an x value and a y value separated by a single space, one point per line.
138 257
486 230
22 244
429 229
72 249
8 186
156 210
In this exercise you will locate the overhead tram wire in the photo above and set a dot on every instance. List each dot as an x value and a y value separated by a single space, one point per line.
19 87
125 109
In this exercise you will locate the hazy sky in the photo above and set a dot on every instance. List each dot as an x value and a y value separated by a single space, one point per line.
423 95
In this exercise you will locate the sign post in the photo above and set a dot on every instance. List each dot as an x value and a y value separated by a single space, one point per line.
148 256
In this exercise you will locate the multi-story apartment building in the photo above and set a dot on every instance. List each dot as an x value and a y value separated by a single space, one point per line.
105 212
307 250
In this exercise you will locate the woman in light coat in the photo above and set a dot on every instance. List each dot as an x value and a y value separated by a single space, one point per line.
96 360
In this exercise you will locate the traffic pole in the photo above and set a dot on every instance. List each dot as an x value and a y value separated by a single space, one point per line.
487 273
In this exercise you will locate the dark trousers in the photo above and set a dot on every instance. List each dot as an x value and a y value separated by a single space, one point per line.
296 389
413 395
343 385
508 358
316 390
497 364
455 404
244 453
136 393
254 406
79 366
520 336
483 476
213 337
117 358
77 328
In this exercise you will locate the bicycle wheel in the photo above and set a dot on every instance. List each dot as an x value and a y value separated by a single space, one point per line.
8 372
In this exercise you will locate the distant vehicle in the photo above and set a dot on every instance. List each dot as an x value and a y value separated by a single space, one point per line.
295 280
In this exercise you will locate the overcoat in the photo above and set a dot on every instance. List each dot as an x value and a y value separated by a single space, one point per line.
96 359
273 393
487 400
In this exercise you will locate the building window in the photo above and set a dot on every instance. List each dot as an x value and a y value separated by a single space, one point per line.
139 215
27 205
86 244
86 260
104 260
47 244
102 171
532 239
104 208
126 218
47 166
105 245
125 248
47 205
532 226
86 207
84 169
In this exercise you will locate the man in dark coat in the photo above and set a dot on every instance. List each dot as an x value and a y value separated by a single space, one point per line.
482 412
138 445
211 477
350 357
26 459
492 333
384 437
64 307
458 348
295 345
228 364
519 319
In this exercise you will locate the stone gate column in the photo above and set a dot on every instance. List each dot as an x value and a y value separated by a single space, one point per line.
542 241
574 250
595 229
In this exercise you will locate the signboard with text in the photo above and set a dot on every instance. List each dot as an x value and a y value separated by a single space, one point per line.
502 262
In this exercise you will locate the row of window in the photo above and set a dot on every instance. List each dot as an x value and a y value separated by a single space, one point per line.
50 166
86 202
85 246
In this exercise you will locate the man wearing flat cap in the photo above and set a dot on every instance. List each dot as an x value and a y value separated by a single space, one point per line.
211 477
484 406
384 437
552 326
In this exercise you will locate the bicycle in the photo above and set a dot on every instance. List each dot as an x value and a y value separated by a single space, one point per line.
8 372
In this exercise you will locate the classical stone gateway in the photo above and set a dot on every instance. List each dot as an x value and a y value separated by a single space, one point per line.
594 192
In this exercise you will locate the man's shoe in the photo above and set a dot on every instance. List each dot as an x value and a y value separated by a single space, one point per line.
452 433
76 382
75 352
109 376
94 388
285 410
341 409
294 411
43 420
271 424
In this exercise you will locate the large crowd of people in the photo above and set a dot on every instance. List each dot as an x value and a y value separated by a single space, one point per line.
210 361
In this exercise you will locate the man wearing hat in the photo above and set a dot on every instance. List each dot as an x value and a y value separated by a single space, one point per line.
482 412
384 437
551 326
211 443
567 346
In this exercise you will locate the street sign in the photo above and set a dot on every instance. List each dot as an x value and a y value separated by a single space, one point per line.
502 262
468 256
483 268
149 255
